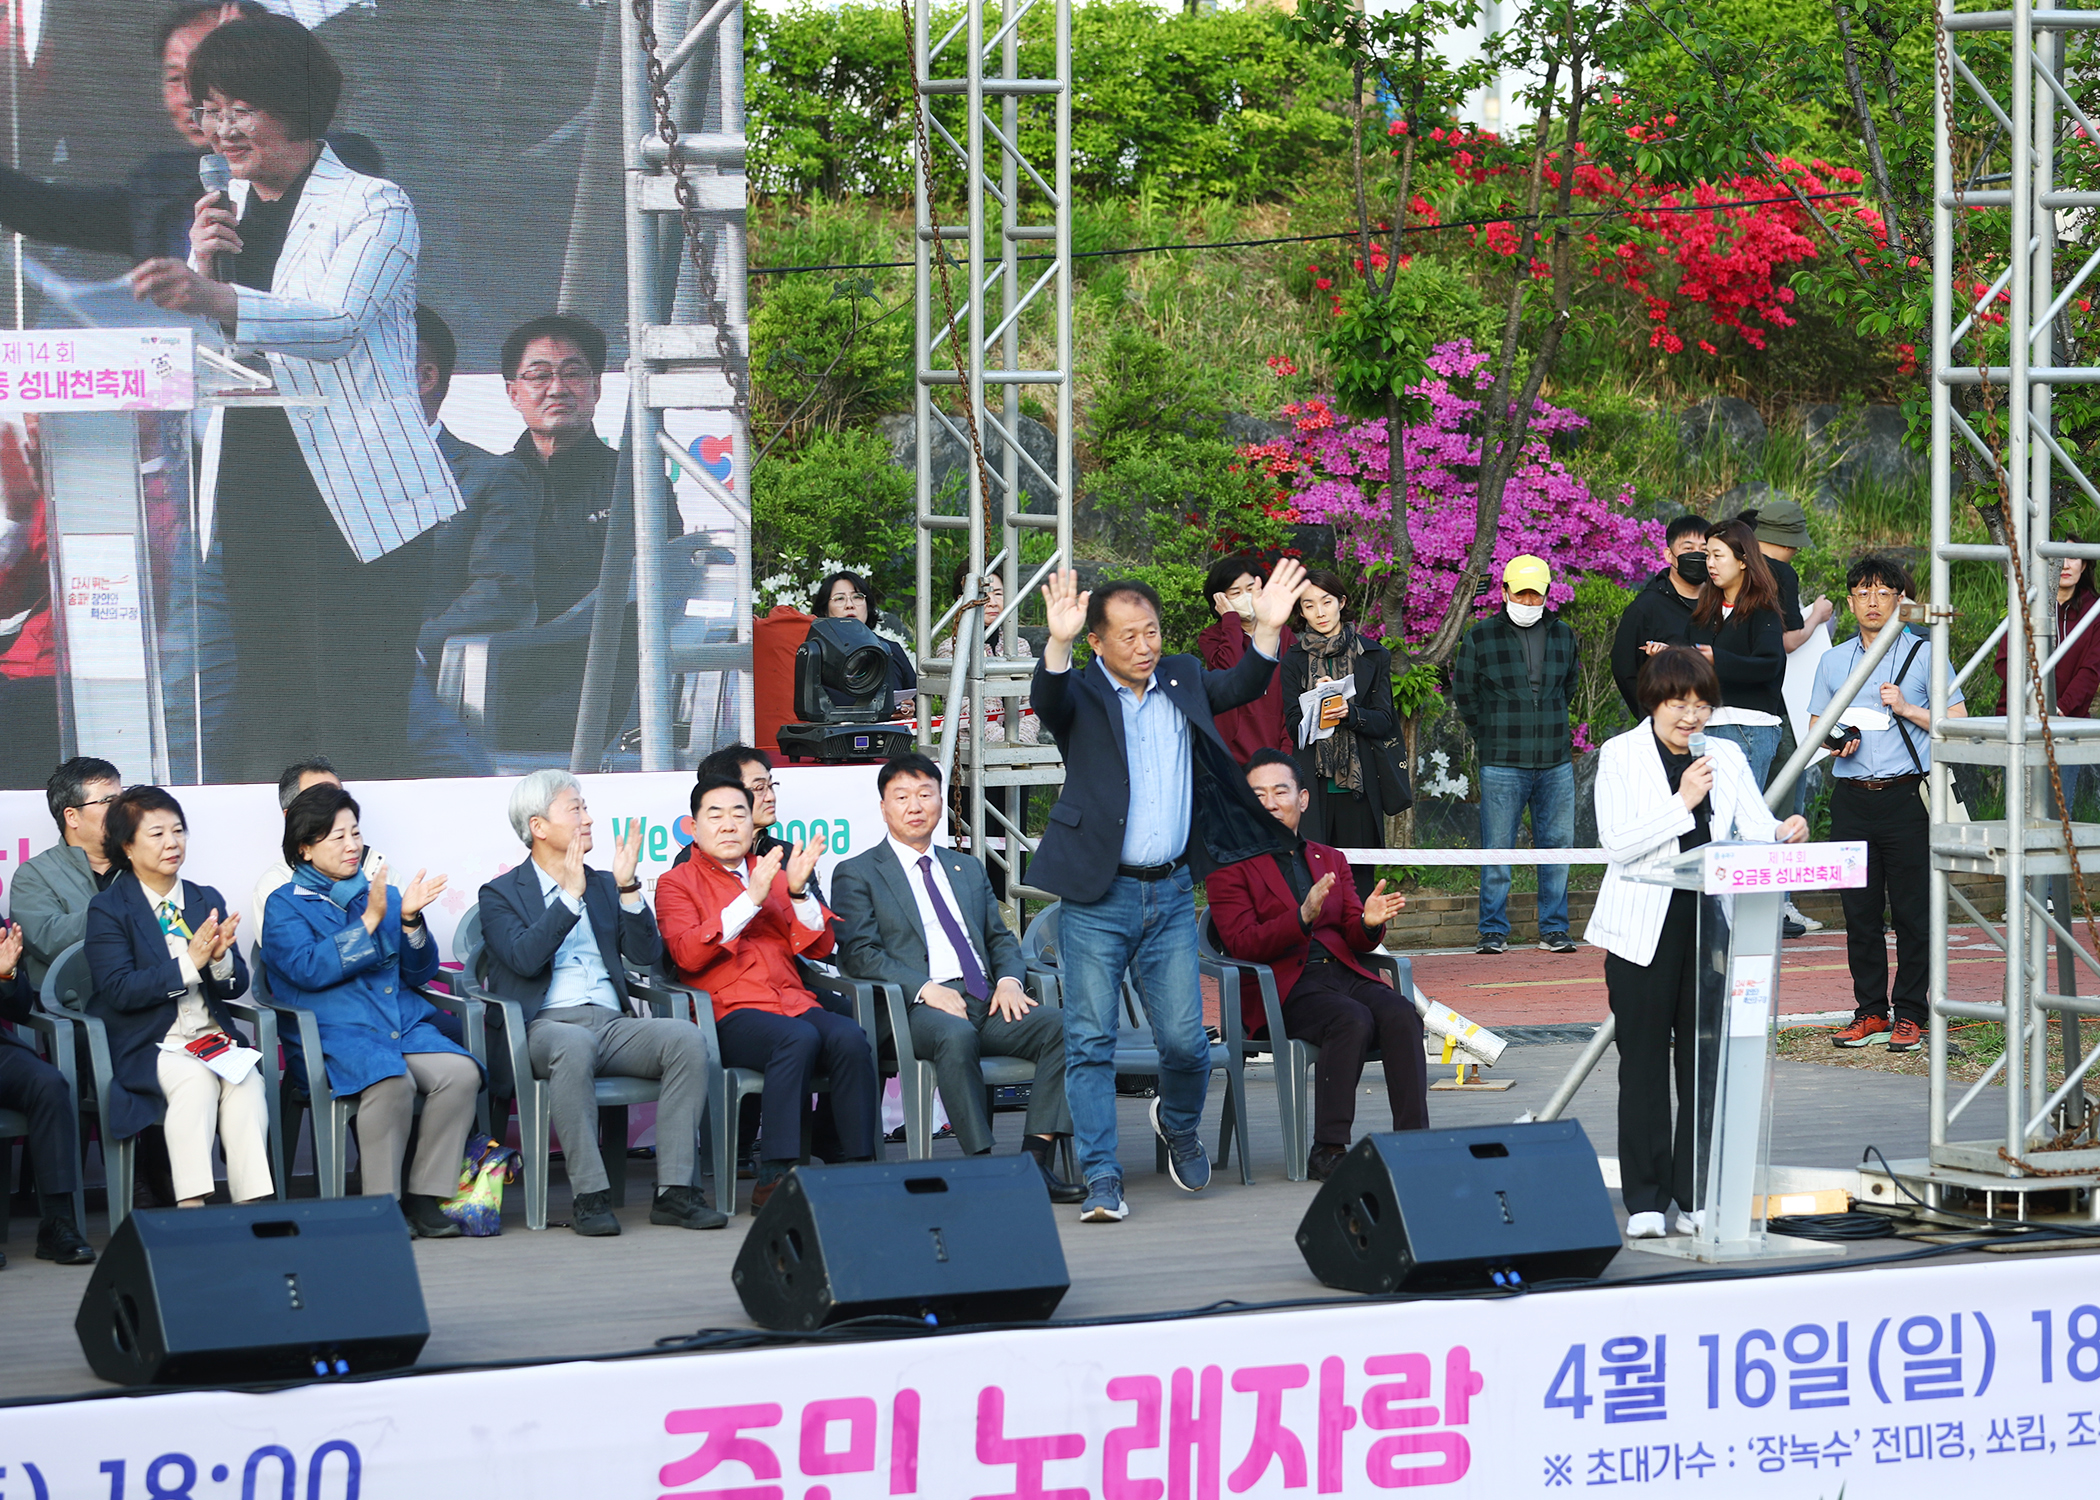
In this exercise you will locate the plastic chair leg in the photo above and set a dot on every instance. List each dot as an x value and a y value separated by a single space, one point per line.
121 1170
721 1124
533 1129
918 1113
1236 1105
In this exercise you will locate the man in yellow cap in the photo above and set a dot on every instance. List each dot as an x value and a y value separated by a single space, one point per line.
1512 683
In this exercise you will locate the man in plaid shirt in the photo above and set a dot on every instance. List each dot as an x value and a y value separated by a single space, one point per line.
1512 682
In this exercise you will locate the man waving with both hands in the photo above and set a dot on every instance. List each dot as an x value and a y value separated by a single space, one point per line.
1152 802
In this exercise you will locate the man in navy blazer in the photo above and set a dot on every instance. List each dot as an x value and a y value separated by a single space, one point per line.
924 919
570 976
1152 802
38 1090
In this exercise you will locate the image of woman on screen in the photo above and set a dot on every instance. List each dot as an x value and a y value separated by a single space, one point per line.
320 510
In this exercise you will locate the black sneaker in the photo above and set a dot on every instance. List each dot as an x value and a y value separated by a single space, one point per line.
426 1220
58 1240
681 1208
1493 945
592 1214
1324 1159
1788 927
1559 942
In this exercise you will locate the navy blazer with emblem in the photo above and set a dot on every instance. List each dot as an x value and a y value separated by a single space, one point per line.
138 986
523 930
1083 841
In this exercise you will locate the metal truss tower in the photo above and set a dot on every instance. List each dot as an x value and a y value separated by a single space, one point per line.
997 318
1998 357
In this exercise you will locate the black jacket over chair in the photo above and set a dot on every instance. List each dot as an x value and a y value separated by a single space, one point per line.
524 929
138 987
1083 841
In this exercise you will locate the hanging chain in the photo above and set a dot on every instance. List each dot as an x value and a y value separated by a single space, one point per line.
1988 393
693 228
940 262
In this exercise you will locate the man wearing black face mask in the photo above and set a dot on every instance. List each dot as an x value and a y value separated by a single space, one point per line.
1659 613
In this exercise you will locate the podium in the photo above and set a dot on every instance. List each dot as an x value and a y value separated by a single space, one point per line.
1742 890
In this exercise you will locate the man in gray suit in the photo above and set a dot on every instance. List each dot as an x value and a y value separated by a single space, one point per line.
560 937
925 919
52 893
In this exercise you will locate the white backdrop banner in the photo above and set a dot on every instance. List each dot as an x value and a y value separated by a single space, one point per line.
462 828
1928 1381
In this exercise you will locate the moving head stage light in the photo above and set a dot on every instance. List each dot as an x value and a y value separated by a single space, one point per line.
843 659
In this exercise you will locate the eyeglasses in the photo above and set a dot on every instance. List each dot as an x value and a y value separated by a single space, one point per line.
539 377
1876 592
211 118
99 801
755 787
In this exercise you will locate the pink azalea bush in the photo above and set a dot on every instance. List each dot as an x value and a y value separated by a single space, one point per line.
1333 470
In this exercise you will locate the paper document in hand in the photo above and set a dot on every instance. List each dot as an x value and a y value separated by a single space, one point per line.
1309 708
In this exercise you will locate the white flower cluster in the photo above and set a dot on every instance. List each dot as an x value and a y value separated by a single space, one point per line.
793 586
1440 782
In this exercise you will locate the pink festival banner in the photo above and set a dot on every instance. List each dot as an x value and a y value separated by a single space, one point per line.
1934 1380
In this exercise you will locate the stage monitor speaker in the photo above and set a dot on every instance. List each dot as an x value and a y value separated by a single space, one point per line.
1433 1210
259 1291
968 1241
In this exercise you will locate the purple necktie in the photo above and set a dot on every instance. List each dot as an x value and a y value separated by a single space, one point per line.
972 974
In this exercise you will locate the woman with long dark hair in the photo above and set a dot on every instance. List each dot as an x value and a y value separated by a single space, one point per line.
1345 771
1737 626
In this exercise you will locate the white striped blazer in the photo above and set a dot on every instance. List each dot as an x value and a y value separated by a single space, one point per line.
339 323
1639 820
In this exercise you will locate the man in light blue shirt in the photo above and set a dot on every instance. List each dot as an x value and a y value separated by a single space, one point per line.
1875 797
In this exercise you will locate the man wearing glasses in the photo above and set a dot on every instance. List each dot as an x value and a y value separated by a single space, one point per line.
1883 748
552 371
51 895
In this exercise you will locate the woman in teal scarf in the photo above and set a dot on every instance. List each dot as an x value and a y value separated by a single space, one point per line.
331 948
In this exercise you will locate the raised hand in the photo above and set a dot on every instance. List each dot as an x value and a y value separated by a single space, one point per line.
1064 608
203 939
762 873
10 948
571 872
1275 601
228 929
804 862
1309 908
1380 908
421 891
375 895
629 854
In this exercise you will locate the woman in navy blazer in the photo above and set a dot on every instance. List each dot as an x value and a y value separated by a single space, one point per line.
164 963
331 948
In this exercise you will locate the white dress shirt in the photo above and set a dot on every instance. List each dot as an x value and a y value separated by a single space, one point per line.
941 959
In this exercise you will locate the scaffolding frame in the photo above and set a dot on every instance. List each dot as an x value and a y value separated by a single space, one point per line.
958 346
2026 45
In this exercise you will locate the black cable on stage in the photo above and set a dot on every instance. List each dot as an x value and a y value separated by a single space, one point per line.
2030 1231
1843 1227
1545 219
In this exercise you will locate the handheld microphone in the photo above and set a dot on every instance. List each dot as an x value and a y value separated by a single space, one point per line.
216 175
1696 743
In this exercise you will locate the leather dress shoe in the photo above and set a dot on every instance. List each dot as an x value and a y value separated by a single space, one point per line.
592 1214
1324 1159
426 1220
681 1208
58 1240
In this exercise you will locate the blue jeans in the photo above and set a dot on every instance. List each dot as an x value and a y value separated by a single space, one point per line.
1505 791
1760 743
1149 928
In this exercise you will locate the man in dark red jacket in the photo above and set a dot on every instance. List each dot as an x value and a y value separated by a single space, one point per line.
1232 585
1297 911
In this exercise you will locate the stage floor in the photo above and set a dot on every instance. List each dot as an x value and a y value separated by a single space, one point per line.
533 1296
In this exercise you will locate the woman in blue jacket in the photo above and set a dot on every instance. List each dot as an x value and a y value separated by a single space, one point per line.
331 948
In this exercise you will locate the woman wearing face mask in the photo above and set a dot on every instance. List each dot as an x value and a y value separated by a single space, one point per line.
848 596
1655 800
1736 625
1346 772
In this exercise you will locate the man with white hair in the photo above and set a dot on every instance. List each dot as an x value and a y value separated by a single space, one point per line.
570 975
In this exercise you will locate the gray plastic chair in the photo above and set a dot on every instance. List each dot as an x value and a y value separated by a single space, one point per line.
506 1020
1137 1053
67 985
1294 1059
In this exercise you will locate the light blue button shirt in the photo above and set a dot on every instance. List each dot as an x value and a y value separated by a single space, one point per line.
579 976
1881 753
1156 734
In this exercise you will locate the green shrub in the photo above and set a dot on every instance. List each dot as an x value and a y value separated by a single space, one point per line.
823 355
838 496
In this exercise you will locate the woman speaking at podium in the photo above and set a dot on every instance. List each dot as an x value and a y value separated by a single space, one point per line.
321 511
1658 795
